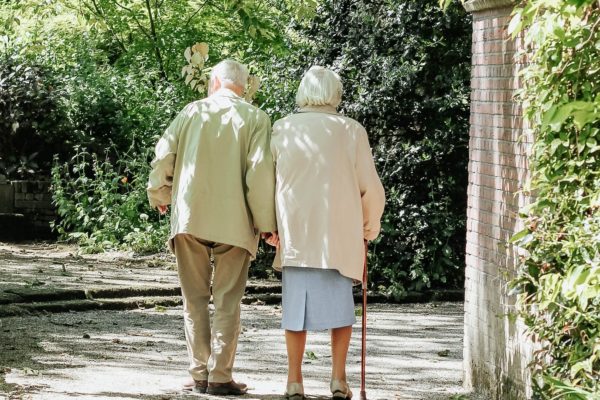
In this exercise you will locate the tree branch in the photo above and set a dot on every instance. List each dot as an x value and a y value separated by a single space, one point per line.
187 22
592 33
137 22
100 13
159 58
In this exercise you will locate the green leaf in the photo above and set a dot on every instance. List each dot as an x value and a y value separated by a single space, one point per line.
561 114
585 365
444 4
519 235
554 145
575 277
584 117
515 25
443 353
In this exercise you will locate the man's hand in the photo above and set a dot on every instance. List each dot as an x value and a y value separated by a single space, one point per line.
163 209
271 238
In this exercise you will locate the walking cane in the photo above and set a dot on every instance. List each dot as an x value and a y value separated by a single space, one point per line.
363 393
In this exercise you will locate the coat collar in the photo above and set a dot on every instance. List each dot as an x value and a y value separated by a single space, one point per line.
327 109
224 92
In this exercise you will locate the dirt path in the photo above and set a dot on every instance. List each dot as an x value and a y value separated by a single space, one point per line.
58 266
415 351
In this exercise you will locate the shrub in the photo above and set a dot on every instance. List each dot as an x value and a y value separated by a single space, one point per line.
103 205
116 85
31 116
111 108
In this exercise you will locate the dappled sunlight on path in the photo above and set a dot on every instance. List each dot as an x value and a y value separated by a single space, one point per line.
415 352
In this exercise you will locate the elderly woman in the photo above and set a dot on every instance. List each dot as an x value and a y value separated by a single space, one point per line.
329 201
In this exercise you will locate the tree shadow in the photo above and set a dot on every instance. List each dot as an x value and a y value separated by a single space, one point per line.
142 354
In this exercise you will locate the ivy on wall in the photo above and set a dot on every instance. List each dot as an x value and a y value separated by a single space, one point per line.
559 274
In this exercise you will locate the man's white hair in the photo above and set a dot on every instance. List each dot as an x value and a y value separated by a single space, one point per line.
319 87
230 71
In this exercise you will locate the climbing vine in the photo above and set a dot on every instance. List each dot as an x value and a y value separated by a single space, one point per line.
559 274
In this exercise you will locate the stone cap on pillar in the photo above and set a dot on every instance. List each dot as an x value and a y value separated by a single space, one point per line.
480 5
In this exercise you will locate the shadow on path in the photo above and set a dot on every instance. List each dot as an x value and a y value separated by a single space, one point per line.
414 352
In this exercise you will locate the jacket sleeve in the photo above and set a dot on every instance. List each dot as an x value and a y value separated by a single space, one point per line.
160 180
371 190
260 177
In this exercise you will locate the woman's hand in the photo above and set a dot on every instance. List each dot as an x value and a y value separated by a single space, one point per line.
271 238
163 209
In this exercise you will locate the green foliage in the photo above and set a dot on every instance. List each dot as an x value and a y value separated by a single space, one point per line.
559 275
103 77
30 113
103 203
115 67
444 4
459 397
389 54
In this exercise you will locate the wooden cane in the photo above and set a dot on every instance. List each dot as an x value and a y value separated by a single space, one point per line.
363 393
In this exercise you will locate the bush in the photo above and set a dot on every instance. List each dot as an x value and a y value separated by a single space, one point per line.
389 55
123 88
31 117
115 80
105 78
110 108
559 273
46 109
103 204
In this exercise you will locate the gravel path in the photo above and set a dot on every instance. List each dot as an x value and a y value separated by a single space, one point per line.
414 353
415 350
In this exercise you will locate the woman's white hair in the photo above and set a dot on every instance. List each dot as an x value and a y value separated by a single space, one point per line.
319 87
230 71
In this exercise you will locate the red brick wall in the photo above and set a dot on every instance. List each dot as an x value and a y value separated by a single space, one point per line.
496 352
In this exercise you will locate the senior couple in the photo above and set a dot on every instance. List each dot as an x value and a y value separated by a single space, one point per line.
308 186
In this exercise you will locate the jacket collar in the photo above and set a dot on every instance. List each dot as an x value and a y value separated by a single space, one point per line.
327 109
224 92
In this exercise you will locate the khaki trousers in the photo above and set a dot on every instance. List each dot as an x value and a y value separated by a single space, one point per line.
211 351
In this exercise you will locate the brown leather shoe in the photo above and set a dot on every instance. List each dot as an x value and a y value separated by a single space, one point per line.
227 389
195 386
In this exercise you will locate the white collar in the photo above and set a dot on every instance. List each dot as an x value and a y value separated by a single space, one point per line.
327 109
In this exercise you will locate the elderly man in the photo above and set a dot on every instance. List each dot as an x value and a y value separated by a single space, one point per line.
213 164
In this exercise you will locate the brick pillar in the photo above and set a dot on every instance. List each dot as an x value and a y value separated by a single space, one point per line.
496 352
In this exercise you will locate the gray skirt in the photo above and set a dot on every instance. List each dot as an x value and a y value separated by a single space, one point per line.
315 299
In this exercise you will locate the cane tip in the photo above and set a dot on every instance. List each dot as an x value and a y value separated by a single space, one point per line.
363 395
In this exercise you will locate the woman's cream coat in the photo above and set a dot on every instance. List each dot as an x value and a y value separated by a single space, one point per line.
328 195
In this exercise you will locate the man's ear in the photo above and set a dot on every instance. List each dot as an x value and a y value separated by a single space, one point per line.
215 84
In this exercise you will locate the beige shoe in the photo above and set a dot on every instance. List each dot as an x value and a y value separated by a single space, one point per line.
340 390
294 391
